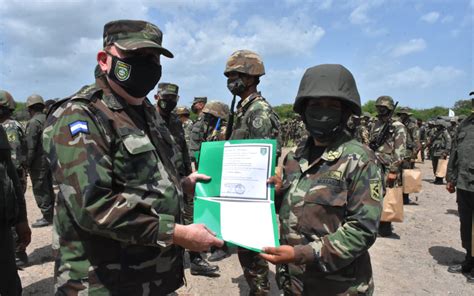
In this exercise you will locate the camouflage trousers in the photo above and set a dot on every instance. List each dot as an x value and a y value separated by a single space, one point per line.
42 182
255 271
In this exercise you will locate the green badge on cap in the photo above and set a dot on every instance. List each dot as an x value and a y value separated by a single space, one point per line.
122 71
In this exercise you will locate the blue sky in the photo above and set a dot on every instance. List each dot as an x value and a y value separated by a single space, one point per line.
419 52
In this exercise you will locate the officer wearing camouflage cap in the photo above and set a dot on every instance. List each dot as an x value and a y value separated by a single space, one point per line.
16 139
166 100
253 119
40 173
118 217
439 145
392 151
332 194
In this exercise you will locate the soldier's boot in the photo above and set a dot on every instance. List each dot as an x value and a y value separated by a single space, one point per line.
43 222
199 266
219 253
438 181
385 229
470 277
465 267
21 259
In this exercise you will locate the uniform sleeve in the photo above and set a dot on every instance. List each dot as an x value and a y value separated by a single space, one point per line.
261 125
399 149
33 131
452 172
448 141
79 152
359 229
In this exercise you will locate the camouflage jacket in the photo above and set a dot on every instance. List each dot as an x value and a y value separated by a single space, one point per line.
255 119
392 152
119 197
413 139
331 212
17 141
35 157
440 143
188 126
179 135
198 135
461 160
362 134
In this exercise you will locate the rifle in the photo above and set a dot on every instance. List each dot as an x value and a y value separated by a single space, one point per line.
230 124
382 136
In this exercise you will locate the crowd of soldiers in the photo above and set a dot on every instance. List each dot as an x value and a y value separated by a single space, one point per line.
126 170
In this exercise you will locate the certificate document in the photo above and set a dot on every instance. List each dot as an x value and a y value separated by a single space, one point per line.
237 203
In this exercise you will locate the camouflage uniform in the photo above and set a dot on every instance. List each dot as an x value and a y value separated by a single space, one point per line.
198 132
40 173
440 144
187 124
119 191
254 119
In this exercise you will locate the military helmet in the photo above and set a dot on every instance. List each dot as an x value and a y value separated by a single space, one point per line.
328 81
182 111
404 110
385 101
6 100
440 122
218 109
246 62
34 99
367 114
461 117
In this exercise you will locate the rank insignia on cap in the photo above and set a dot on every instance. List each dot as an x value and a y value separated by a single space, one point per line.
78 126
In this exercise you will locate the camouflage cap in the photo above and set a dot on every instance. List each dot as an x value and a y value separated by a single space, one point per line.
165 88
34 99
404 110
218 109
385 101
199 99
246 62
182 111
132 35
6 100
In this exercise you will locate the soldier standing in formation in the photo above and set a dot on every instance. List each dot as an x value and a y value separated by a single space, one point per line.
183 115
392 151
120 195
439 146
423 137
332 190
199 127
460 179
166 100
254 119
40 173
412 145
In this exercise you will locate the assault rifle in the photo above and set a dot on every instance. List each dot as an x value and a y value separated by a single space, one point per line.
230 124
382 136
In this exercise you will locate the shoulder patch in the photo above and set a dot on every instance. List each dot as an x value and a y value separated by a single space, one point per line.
257 122
375 189
78 126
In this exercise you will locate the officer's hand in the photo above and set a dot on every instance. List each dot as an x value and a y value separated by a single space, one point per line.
189 182
195 237
24 234
275 180
450 187
282 254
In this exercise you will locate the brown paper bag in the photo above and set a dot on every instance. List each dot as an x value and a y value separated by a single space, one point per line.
393 205
418 157
441 168
411 181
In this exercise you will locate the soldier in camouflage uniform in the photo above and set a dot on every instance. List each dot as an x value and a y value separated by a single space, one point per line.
440 144
166 100
392 151
460 179
452 129
199 127
40 173
254 119
413 143
16 139
332 194
120 193
358 130
183 115
423 137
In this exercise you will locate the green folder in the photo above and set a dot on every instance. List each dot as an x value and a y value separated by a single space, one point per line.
246 221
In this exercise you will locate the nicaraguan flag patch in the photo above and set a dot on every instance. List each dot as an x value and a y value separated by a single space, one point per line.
78 126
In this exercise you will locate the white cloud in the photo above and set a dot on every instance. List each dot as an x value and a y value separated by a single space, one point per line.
417 77
447 19
431 17
412 46
359 15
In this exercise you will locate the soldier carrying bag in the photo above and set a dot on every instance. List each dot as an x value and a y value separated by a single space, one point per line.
393 205
442 168
411 180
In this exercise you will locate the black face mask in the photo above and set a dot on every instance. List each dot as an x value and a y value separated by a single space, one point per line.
236 86
137 75
381 112
193 109
322 122
167 106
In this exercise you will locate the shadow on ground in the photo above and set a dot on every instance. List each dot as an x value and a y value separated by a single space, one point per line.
446 255
43 287
452 212
41 255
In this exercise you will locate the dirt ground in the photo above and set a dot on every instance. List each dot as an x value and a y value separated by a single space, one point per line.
414 262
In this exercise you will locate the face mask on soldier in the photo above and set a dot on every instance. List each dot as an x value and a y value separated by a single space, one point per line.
167 105
322 122
382 111
236 86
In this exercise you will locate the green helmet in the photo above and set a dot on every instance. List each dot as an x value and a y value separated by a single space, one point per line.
34 99
246 62
182 111
367 114
404 110
217 109
328 80
385 101
6 100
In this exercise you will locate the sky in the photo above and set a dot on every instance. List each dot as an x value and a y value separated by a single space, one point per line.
420 52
